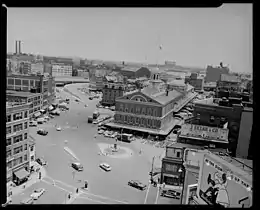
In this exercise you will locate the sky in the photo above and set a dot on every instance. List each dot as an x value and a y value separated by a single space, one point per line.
189 36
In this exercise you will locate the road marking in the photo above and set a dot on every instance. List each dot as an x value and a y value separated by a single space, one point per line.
157 195
69 151
91 199
147 191
57 186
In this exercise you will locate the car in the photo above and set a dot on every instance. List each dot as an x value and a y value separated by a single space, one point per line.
90 98
41 161
77 100
105 166
113 135
100 131
33 123
27 201
170 193
77 166
107 134
95 122
37 193
58 129
137 184
106 107
42 132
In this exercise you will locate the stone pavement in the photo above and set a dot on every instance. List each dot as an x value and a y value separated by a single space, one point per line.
33 178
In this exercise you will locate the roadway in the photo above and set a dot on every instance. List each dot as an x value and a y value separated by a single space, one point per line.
104 187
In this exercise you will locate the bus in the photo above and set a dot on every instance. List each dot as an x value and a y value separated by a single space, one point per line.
95 114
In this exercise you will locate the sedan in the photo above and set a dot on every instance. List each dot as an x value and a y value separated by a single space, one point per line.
77 166
105 166
41 161
42 132
37 193
100 131
137 184
58 129
171 194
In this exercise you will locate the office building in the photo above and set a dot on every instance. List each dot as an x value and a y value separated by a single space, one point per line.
17 153
150 110
96 78
37 68
61 69
228 82
34 84
25 67
196 81
34 99
213 73
32 152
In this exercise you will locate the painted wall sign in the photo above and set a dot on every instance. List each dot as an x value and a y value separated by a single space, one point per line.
205 132
220 186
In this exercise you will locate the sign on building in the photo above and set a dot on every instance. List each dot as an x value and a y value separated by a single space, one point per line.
205 132
191 192
223 184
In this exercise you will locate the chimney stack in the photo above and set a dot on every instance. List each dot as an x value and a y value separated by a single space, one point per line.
20 51
16 47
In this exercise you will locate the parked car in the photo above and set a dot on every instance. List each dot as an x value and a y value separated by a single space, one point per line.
105 166
58 129
100 131
37 193
33 123
27 201
41 161
95 122
42 132
137 184
90 98
77 100
171 193
77 166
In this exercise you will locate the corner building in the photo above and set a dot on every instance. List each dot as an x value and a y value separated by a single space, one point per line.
17 152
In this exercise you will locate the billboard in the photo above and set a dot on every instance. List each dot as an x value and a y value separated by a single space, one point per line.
205 132
223 184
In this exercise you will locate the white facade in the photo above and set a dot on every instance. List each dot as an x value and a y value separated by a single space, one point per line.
32 155
61 70
37 68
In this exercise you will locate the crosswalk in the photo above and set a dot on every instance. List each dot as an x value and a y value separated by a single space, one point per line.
83 194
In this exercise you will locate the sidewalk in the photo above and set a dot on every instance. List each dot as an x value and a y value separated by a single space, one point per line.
33 178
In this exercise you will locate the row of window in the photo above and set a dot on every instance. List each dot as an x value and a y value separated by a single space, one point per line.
16 116
16 161
138 110
16 139
16 128
25 82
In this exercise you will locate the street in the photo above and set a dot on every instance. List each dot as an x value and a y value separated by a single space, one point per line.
105 187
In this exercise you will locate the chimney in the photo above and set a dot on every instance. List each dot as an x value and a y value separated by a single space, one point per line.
20 51
16 49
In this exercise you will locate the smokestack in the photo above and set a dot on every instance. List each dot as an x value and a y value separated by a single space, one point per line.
20 51
221 64
16 49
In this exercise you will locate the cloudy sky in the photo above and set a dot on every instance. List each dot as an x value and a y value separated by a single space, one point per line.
189 36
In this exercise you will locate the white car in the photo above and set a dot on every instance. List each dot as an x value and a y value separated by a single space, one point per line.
37 193
105 166
58 129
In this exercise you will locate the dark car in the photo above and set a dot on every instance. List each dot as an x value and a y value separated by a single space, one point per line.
42 132
137 184
41 161
77 166
171 193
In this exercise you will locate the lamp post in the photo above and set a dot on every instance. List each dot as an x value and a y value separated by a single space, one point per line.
152 168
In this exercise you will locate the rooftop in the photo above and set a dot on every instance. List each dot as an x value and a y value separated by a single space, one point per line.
177 82
229 78
209 101
131 68
20 93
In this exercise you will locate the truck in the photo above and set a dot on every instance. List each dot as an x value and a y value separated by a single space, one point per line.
90 119
95 114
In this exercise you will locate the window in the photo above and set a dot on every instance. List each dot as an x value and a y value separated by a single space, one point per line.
20 160
8 130
18 127
32 158
18 116
9 165
8 153
8 142
18 150
212 119
25 125
31 148
25 157
178 154
25 147
18 138
25 114
8 118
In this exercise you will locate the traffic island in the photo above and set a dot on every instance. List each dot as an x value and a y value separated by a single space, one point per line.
113 151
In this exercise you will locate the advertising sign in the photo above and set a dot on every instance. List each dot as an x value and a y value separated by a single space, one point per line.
205 132
191 192
222 184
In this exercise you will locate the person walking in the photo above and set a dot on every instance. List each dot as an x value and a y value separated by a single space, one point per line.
77 190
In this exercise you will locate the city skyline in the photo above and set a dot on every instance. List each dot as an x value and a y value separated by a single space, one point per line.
189 36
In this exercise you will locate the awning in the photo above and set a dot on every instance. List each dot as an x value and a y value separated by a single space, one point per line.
51 108
21 174
37 114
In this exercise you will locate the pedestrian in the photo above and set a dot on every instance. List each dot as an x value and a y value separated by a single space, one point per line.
77 190
68 196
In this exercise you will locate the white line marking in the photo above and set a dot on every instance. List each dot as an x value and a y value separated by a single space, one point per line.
106 198
57 186
157 195
91 200
147 191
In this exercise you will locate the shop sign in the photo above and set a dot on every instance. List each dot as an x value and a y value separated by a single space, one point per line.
219 185
204 132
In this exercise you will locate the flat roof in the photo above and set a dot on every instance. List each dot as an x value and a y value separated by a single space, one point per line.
21 93
70 79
